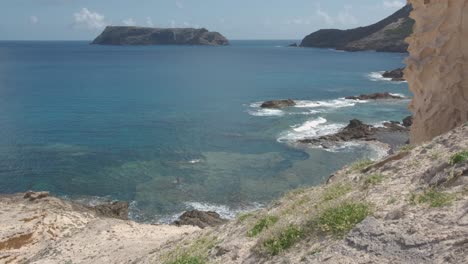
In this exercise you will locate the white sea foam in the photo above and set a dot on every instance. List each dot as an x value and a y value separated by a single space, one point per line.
266 112
398 94
310 129
378 77
194 161
337 103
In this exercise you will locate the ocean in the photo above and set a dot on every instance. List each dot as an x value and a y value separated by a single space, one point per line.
174 128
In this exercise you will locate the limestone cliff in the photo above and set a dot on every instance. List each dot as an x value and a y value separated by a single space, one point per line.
437 67
114 35
387 35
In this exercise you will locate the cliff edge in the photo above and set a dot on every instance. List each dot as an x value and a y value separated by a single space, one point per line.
118 35
437 67
387 35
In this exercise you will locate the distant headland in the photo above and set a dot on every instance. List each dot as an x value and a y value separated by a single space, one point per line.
125 35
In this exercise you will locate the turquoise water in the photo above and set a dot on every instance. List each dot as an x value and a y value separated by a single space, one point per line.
173 128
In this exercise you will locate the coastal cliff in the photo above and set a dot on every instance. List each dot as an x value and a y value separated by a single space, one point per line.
117 35
387 35
437 67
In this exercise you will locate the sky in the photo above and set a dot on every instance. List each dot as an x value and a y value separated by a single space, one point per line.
236 19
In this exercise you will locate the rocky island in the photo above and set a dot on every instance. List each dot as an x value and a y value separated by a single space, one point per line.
123 35
387 35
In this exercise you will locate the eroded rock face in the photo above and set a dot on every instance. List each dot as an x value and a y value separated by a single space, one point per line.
200 219
277 104
375 96
437 67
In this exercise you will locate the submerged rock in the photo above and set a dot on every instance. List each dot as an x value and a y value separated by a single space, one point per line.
200 219
276 104
396 75
375 96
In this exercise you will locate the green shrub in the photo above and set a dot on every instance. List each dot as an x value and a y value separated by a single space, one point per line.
262 224
187 259
459 157
374 179
432 197
241 218
286 239
336 191
407 148
362 164
339 220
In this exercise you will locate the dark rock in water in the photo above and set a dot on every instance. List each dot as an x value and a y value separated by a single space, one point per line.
357 130
278 104
396 75
33 196
117 210
387 35
293 45
408 121
114 35
200 219
374 96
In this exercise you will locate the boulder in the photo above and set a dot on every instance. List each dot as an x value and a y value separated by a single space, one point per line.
396 75
408 121
277 104
200 219
116 209
375 96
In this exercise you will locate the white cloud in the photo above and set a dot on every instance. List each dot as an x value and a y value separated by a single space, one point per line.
179 4
129 22
149 22
86 19
33 20
394 4
346 18
324 16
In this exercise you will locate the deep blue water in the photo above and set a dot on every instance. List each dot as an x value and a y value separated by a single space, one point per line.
174 127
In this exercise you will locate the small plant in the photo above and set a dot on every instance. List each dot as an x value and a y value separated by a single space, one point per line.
432 197
459 157
261 225
392 200
286 239
374 179
362 164
338 221
187 259
407 148
242 217
336 191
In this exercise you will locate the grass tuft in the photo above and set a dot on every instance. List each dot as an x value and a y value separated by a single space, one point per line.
336 191
432 197
286 239
374 179
459 157
362 164
339 220
407 148
242 217
187 259
262 225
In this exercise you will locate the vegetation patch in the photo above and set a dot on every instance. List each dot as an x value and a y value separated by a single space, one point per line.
339 220
286 239
432 197
262 225
362 164
195 253
459 157
406 148
241 218
374 179
336 191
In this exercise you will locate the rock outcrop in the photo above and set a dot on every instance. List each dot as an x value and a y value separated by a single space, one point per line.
277 104
387 35
437 66
375 96
200 219
396 75
118 35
